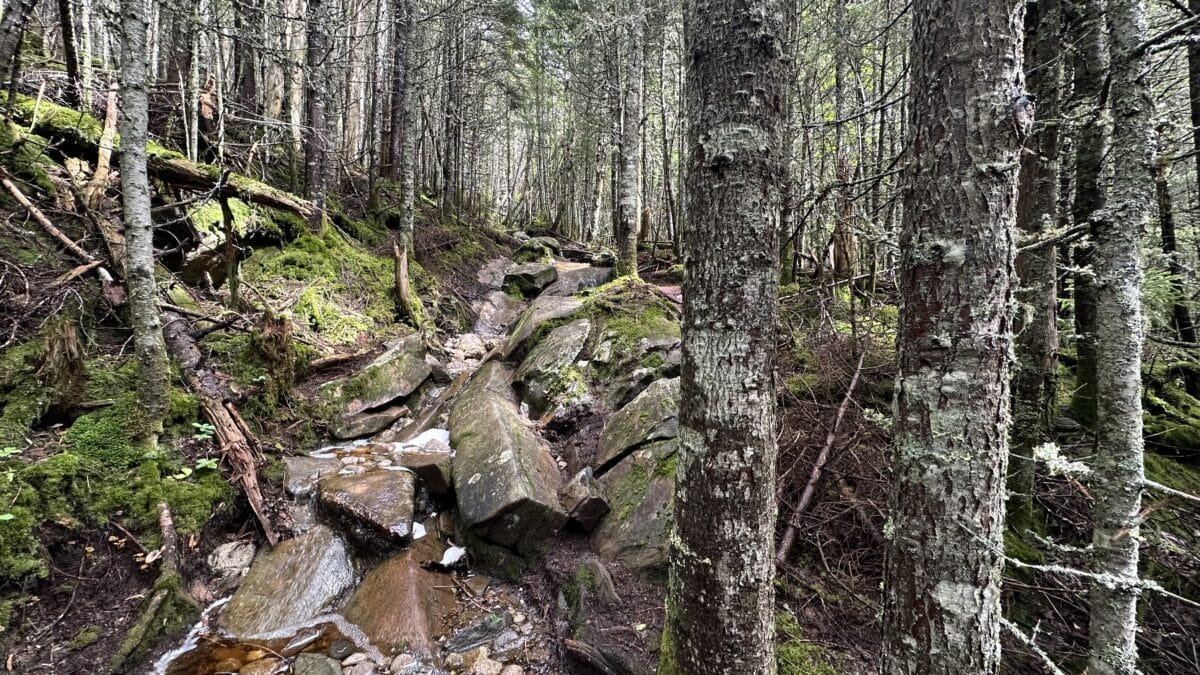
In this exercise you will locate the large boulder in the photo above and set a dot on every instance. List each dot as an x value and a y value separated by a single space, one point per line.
547 376
507 483
376 508
402 607
430 462
575 279
496 312
289 585
367 423
636 532
529 278
537 249
544 308
395 374
652 416
302 473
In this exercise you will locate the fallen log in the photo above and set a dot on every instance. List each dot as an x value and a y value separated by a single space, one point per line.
237 443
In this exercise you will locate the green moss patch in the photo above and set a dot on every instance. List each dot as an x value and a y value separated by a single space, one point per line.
793 654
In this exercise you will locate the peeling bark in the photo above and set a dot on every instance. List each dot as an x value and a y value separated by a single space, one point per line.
944 547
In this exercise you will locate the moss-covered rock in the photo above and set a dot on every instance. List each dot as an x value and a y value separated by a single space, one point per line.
796 656
641 487
395 374
547 377
652 416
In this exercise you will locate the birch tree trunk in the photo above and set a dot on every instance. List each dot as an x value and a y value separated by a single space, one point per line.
1034 382
720 606
1117 471
149 347
628 196
943 559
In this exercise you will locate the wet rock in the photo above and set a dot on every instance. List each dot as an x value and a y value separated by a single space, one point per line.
289 584
316 664
507 642
507 484
513 670
487 667
573 280
302 473
364 668
529 278
496 312
544 308
485 629
395 374
401 606
303 516
267 666
340 649
536 249
547 376
477 585
640 489
232 559
653 415
430 462
377 507
367 423
584 501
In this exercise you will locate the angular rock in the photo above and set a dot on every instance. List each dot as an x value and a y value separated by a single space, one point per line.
288 585
302 473
536 249
573 280
584 501
376 507
482 632
402 607
316 664
267 666
507 483
653 415
496 312
544 308
367 423
430 462
232 558
546 376
530 278
395 374
640 488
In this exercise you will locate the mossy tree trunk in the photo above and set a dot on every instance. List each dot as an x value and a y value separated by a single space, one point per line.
12 26
628 196
943 555
720 606
149 347
316 145
1117 470
1035 379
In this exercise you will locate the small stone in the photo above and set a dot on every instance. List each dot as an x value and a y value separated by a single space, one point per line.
267 666
477 585
403 662
508 641
513 670
340 649
487 667
518 617
482 632
352 659
227 665
364 668
474 656
315 664
454 661
232 559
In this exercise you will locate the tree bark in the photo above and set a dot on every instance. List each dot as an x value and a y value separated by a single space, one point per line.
12 26
1117 471
628 196
1035 381
316 146
1090 63
1181 316
70 53
149 348
944 547
720 606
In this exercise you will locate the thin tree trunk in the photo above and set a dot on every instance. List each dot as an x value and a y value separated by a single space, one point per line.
316 146
12 26
943 558
1034 382
628 196
1181 315
70 55
1117 471
721 605
149 347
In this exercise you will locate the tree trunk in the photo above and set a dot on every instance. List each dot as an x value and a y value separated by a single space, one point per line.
1034 382
943 560
628 196
1117 472
1090 62
70 54
149 348
720 606
316 146
1181 315
12 25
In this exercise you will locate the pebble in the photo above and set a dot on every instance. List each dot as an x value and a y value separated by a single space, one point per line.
518 617
403 661
266 666
513 670
364 668
507 641
487 667
474 656
340 649
354 659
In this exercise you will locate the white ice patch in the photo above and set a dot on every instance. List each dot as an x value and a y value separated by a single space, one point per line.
452 555
418 531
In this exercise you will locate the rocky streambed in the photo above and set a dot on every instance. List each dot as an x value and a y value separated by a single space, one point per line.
496 504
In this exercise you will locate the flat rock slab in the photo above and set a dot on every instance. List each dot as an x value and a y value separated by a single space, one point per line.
640 489
544 308
496 312
653 415
572 281
288 585
530 278
402 607
367 423
507 483
302 473
376 507
545 376
430 462
395 374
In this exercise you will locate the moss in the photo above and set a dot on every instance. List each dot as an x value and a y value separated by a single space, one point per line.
1172 417
86 637
23 397
793 654
24 154
628 493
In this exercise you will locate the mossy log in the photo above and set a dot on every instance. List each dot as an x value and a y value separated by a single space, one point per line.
235 438
80 133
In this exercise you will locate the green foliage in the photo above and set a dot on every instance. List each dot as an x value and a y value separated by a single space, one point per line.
793 654
24 154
